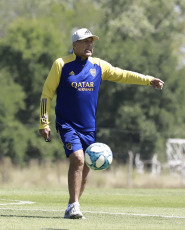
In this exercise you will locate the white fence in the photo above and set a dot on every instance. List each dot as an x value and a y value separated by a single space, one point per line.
175 152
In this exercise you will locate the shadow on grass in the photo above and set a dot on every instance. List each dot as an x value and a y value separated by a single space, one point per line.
53 229
42 217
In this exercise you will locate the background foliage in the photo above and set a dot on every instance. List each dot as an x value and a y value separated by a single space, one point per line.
144 36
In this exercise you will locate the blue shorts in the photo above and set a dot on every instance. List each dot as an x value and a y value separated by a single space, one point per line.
74 140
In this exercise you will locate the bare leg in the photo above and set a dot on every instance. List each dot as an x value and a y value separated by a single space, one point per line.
77 176
84 179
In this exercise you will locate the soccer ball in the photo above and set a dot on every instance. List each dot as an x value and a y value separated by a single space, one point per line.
98 156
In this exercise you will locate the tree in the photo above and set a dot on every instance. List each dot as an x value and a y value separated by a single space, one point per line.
12 99
34 35
28 52
142 36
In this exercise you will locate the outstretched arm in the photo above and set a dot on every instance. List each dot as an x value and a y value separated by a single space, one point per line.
116 74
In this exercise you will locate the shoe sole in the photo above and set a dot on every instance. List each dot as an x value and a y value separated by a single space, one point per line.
77 216
74 217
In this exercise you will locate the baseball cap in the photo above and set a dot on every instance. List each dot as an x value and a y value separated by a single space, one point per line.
82 34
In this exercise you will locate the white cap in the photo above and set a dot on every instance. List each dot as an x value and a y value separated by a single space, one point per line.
82 34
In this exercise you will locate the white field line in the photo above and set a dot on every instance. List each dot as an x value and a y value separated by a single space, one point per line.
16 202
137 214
107 213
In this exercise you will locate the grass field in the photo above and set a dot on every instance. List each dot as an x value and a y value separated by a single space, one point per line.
103 208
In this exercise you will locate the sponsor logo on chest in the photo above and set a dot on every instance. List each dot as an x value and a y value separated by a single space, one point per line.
83 86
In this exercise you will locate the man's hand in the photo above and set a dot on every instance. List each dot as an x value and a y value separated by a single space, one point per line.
46 134
157 83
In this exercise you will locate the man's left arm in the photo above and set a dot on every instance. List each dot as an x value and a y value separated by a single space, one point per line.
116 74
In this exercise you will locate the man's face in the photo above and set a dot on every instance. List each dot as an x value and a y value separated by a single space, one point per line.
83 48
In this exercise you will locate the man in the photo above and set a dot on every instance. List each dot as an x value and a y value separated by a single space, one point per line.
76 80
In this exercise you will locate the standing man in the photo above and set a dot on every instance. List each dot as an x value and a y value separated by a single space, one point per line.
76 80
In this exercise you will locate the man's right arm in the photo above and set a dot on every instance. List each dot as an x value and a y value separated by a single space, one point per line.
45 133
48 92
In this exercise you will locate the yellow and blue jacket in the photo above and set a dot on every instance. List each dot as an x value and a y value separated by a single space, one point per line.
77 84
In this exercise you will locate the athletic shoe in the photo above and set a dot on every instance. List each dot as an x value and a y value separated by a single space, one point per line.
74 212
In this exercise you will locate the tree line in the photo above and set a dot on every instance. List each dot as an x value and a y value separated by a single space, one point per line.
142 36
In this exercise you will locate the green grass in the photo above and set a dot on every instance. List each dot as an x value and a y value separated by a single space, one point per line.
103 208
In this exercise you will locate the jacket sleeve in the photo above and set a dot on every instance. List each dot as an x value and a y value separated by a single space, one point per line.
116 74
48 92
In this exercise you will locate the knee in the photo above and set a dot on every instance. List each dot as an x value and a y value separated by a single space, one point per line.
77 160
